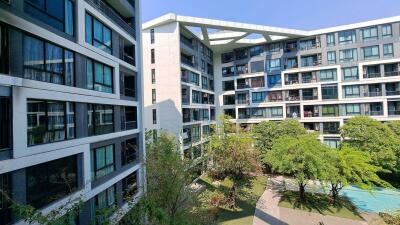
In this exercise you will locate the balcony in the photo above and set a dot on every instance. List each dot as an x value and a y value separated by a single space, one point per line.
188 60
292 95
128 85
312 60
372 71
391 69
309 44
109 12
311 111
129 118
127 51
291 47
394 108
293 112
187 41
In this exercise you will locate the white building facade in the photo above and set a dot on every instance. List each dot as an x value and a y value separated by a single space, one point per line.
320 77
71 105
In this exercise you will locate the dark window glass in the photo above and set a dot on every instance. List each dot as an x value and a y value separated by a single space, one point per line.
5 210
329 92
4 56
5 118
154 116
152 36
105 199
130 186
129 151
47 62
56 13
100 119
97 34
153 56
129 118
99 76
50 121
51 181
153 96
103 162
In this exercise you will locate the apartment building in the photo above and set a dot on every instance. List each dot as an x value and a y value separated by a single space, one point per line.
179 80
319 77
70 105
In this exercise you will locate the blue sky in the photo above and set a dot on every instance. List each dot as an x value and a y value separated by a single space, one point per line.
298 14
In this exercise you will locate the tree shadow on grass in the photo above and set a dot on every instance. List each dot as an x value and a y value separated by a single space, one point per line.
320 203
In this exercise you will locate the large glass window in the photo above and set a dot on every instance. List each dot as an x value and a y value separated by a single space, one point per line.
330 110
56 13
256 50
330 39
348 55
105 199
99 76
327 75
97 34
371 52
50 121
47 62
4 51
331 57
128 117
129 151
274 64
352 109
387 30
228 85
346 37
351 91
100 119
274 80
103 161
274 47
5 118
370 33
228 71
258 97
275 112
350 73
388 50
51 181
329 92
257 66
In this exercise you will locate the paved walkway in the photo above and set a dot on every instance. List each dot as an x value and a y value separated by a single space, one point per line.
269 213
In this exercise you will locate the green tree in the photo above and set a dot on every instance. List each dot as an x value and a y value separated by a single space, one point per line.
267 132
232 156
350 166
303 157
369 135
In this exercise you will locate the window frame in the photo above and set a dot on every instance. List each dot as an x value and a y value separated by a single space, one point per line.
94 130
92 34
94 82
95 170
385 48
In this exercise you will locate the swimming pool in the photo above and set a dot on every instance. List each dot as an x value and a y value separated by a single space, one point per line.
377 200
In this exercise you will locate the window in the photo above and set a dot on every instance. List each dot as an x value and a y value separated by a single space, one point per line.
228 85
129 150
105 199
195 133
274 80
332 57
257 66
56 13
129 186
128 117
100 119
350 73
228 71
388 50
275 112
274 47
194 78
348 55
352 109
330 39
154 116
371 52
196 97
291 63
387 30
152 36
241 54
258 97
97 34
153 56
51 181
229 99
351 91
346 37
227 57
327 75
274 64
330 110
153 96
5 119
99 76
258 113
47 62
241 69
330 127
370 33
153 76
103 162
332 143
4 50
204 82
203 65
5 205
256 51
50 121
329 92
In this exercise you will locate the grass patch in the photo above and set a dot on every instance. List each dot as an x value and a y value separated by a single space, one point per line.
249 192
320 203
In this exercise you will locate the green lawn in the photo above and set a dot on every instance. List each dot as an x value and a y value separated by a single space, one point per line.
248 195
320 203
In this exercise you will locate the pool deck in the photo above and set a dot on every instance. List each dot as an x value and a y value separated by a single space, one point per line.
269 213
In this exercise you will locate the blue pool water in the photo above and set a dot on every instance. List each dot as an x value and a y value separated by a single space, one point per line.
377 200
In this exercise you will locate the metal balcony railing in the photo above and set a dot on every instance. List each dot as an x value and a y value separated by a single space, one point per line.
392 73
112 15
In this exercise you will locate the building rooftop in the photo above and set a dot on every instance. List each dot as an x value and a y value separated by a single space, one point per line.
222 35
